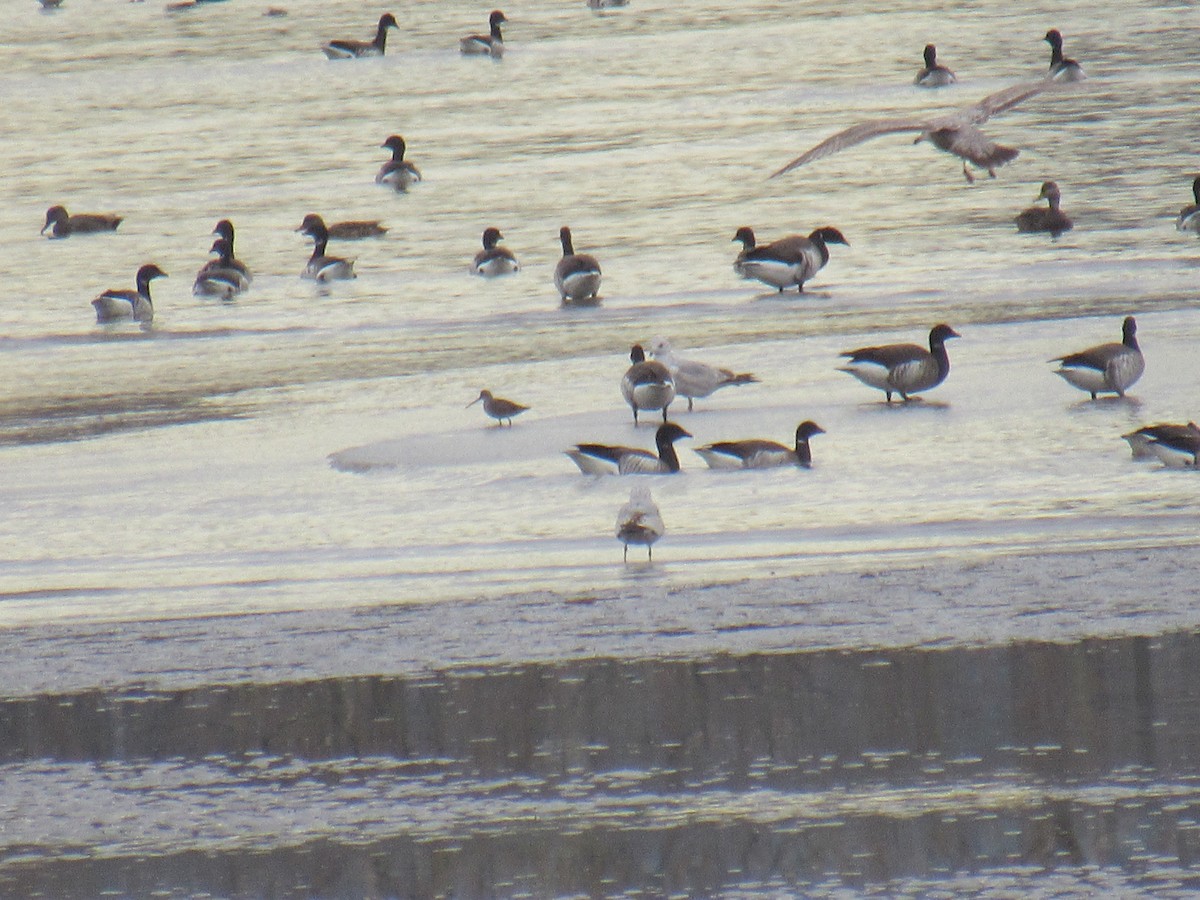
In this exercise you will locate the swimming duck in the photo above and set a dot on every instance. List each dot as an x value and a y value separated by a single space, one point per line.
903 369
639 522
955 133
1061 68
120 303
357 229
789 261
933 75
1045 218
577 275
1107 368
692 378
603 459
492 43
497 407
63 225
347 49
760 454
321 267
647 384
219 277
493 260
1189 216
1175 445
396 172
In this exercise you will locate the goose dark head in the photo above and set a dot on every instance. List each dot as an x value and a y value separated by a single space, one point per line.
387 20
807 429
930 56
637 354
224 228
222 248
314 226
745 234
54 215
490 237
829 235
496 19
669 433
1195 189
940 334
146 274
564 236
1129 332
1054 38
396 144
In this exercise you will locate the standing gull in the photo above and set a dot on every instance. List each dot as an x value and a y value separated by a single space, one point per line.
639 522
954 132
903 369
1106 368
693 378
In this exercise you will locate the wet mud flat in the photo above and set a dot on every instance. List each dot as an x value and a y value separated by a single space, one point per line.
1067 767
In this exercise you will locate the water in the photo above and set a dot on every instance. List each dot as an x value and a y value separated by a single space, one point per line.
304 455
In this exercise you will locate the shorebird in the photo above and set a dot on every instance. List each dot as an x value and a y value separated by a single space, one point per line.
577 275
347 49
1061 68
760 454
1174 445
493 260
787 262
934 74
606 459
62 224
397 173
639 522
903 369
490 43
1045 218
1189 216
954 132
321 267
647 384
120 303
498 408
1107 368
693 378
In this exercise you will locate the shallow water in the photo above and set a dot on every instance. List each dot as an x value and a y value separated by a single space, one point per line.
306 451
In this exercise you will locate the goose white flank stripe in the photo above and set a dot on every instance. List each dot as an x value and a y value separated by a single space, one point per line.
218 277
787 262
576 275
647 384
606 459
933 75
493 260
639 522
62 224
1061 68
321 267
1045 218
1172 444
762 454
347 49
1107 368
491 43
955 132
497 407
120 303
694 379
903 369
1189 216
397 173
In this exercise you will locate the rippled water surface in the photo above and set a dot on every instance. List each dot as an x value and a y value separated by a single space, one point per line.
306 452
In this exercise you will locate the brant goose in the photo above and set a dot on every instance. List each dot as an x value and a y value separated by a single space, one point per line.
492 42
1045 218
396 172
224 229
760 454
903 369
1189 216
219 277
1175 445
639 522
63 225
647 384
1107 368
577 275
121 303
788 261
493 260
321 267
603 459
351 49
1061 68
934 74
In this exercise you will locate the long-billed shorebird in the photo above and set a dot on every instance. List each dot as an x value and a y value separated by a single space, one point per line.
498 408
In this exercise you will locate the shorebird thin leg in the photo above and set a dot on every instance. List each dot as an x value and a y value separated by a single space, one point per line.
625 557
